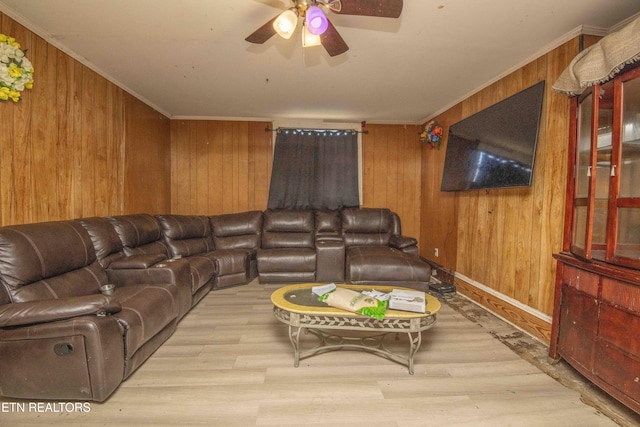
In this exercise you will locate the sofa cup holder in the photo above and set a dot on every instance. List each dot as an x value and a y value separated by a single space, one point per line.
108 289
63 349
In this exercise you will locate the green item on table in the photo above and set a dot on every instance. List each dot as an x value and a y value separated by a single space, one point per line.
355 302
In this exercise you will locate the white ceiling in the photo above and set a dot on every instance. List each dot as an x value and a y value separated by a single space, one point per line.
189 59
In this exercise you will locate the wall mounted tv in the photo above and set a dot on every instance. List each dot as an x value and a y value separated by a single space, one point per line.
495 147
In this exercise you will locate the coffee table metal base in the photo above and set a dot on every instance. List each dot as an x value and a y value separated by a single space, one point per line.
336 333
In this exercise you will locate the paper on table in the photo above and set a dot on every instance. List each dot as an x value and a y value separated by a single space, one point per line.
323 289
380 296
407 300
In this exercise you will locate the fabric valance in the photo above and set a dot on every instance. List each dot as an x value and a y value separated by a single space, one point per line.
602 61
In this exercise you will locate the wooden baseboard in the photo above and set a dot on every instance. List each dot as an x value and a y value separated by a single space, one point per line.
522 319
439 272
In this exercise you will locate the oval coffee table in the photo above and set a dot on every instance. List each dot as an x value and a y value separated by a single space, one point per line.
337 329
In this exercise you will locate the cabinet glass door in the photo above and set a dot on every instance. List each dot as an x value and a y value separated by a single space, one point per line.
602 171
627 248
582 173
606 201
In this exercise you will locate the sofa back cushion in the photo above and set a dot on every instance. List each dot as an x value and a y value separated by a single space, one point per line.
396 227
366 226
237 231
288 229
48 260
105 240
328 225
186 235
139 234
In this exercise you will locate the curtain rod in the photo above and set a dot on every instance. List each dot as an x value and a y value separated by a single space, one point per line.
268 129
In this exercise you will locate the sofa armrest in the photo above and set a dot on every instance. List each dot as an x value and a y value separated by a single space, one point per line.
43 311
167 271
176 272
86 351
322 236
402 242
137 261
330 260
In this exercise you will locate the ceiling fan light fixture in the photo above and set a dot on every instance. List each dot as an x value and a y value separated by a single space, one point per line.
316 20
309 39
315 23
286 23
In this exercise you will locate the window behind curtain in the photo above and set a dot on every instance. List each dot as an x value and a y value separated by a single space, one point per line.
314 169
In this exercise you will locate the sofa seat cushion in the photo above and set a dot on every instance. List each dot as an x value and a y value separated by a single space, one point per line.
371 264
286 260
231 261
203 270
146 310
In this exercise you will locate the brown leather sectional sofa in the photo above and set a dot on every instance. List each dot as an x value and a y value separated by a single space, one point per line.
61 338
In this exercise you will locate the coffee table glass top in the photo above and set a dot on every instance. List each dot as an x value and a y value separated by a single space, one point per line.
299 299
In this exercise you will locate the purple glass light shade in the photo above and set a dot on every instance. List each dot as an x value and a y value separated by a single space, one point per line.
317 22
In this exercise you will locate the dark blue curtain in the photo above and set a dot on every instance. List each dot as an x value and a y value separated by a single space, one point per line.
314 169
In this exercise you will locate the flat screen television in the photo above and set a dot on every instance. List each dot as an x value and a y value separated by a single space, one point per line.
495 147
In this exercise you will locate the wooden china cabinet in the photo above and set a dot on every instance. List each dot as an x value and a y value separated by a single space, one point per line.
596 322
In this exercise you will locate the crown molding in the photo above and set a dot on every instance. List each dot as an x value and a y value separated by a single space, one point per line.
624 22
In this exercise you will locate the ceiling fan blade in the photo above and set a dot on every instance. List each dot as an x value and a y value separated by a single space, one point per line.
263 33
333 41
383 8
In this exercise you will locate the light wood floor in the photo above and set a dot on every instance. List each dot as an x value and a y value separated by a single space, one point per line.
230 363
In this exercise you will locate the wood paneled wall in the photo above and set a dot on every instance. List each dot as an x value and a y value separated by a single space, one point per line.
220 166
504 238
224 167
65 146
148 159
391 172
439 211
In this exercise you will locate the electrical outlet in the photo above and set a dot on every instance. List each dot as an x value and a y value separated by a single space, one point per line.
436 252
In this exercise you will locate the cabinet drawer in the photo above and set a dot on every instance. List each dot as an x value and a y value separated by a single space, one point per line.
619 370
581 280
578 327
621 294
620 329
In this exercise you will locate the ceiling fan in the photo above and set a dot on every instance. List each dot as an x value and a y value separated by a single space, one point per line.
317 29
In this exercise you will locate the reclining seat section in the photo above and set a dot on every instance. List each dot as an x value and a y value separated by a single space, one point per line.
189 236
288 248
140 268
53 318
239 231
141 234
377 252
